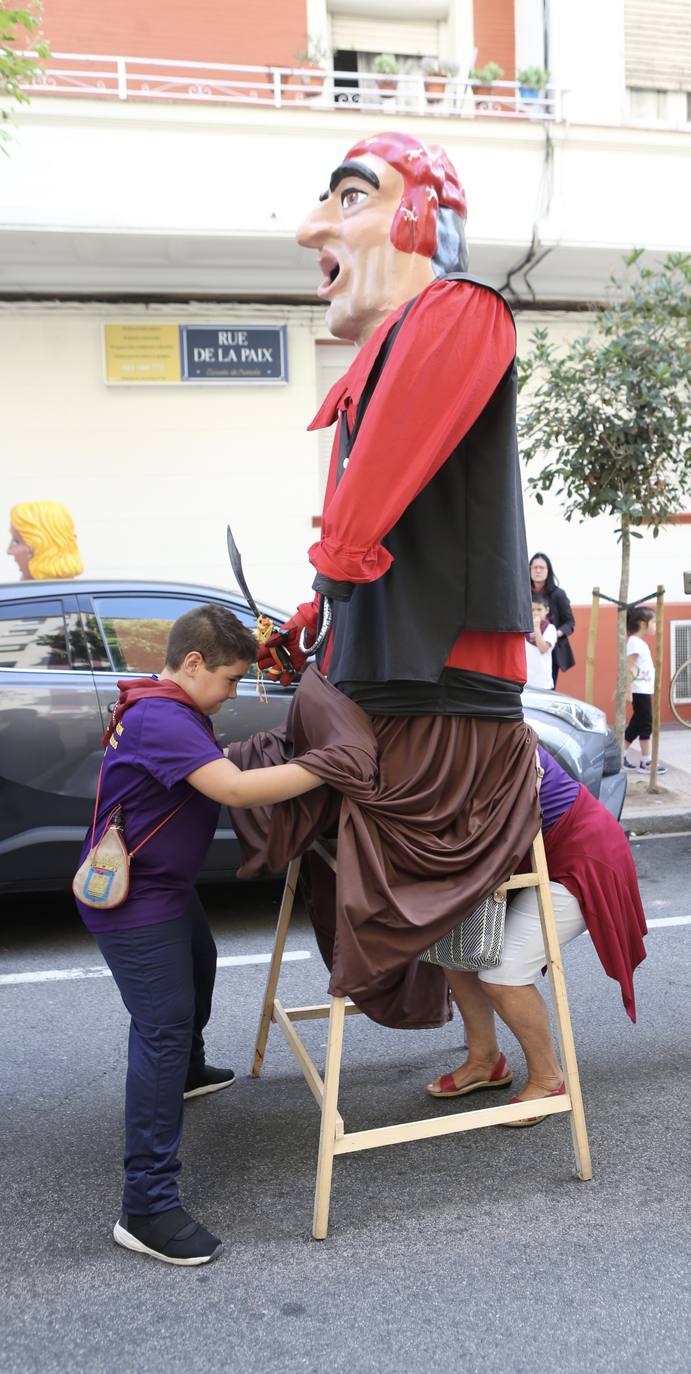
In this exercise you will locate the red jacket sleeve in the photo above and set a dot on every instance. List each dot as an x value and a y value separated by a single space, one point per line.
452 351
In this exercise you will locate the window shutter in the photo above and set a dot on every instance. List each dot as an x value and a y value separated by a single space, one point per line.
408 37
658 44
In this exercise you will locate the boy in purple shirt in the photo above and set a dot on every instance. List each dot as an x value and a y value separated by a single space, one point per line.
164 767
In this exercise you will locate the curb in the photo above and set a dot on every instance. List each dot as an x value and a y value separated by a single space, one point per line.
648 823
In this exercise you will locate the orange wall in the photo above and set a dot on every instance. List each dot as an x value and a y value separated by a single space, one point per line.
573 682
262 32
495 35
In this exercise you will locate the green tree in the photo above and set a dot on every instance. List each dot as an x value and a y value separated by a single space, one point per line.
19 31
608 418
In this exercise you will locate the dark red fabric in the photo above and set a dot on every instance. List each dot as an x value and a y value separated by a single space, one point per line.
135 689
402 443
588 852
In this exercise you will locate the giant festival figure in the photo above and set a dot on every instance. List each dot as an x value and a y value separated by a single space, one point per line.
422 557
423 604
43 541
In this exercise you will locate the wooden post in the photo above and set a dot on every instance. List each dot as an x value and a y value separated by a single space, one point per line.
327 1134
284 916
657 698
555 970
592 640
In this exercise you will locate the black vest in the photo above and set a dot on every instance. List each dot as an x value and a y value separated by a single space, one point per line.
459 550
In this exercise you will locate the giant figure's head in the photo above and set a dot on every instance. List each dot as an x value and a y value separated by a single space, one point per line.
43 541
391 221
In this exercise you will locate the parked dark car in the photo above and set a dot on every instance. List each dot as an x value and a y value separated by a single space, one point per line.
63 646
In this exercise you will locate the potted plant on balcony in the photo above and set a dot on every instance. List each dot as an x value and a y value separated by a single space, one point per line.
532 82
385 68
483 78
436 70
312 74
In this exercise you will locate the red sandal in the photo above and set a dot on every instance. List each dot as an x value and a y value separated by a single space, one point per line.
531 1120
500 1077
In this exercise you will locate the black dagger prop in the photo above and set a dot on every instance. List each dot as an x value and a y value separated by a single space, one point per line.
279 654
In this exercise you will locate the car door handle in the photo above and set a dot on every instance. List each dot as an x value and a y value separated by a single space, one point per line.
111 707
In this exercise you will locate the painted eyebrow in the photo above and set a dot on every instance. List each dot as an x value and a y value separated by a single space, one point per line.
351 169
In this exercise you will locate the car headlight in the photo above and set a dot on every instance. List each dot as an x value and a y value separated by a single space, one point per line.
579 713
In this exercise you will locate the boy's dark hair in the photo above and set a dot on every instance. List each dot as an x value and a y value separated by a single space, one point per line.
214 632
638 615
539 599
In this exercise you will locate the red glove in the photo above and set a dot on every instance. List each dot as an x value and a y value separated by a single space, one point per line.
288 638
269 662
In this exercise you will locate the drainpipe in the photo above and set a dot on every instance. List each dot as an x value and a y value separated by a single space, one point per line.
535 255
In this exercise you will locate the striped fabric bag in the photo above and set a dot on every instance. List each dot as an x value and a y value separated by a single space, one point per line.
477 943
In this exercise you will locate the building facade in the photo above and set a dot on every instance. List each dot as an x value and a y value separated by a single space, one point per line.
151 198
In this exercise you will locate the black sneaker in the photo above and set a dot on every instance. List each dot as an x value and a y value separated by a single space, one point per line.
174 1237
208 1080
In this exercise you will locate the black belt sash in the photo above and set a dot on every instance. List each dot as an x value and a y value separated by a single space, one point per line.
458 692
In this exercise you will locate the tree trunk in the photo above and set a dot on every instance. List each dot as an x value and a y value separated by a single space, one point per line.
620 720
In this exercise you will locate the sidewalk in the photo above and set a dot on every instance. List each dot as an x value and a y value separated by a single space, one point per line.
670 808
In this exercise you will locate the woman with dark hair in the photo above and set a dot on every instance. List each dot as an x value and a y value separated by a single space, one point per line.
543 580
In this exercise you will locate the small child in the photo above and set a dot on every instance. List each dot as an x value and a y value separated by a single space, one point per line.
539 646
641 685
164 767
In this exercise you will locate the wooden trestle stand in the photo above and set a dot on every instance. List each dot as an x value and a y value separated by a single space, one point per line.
333 1137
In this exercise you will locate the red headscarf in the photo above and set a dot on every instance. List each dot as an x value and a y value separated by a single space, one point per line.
430 181
135 689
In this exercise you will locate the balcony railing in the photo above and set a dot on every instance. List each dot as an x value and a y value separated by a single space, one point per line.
220 83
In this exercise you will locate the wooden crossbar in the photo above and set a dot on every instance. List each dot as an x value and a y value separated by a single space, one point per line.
316 1013
333 1137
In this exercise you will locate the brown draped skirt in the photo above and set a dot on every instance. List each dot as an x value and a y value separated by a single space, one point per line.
431 813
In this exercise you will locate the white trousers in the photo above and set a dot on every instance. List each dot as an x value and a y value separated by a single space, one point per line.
524 950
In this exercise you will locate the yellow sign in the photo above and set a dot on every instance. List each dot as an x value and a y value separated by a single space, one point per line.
142 353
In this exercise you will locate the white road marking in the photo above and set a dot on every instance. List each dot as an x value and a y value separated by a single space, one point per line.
657 835
232 960
60 975
670 921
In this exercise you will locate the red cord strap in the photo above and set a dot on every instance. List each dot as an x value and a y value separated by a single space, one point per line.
148 837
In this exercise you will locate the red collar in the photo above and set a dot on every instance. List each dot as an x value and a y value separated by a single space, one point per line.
346 392
136 689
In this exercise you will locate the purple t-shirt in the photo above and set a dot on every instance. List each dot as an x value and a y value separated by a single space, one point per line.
558 791
157 743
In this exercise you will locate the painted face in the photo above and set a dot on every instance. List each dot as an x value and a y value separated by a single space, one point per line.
21 553
538 571
364 277
211 687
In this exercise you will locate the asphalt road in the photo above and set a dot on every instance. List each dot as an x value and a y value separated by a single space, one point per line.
479 1252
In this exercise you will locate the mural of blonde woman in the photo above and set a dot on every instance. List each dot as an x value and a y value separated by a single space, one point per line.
43 541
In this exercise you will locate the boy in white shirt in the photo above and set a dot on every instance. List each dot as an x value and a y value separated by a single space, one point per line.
641 685
539 646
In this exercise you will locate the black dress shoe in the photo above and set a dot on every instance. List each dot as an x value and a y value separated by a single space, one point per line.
208 1080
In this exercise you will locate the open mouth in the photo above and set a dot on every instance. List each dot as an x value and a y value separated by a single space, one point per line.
330 267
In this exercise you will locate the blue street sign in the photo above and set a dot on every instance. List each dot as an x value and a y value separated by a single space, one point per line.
234 353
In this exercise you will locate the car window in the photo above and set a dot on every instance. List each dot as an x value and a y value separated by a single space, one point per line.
136 628
94 643
32 636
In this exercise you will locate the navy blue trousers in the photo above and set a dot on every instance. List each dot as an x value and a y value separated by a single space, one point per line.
165 974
